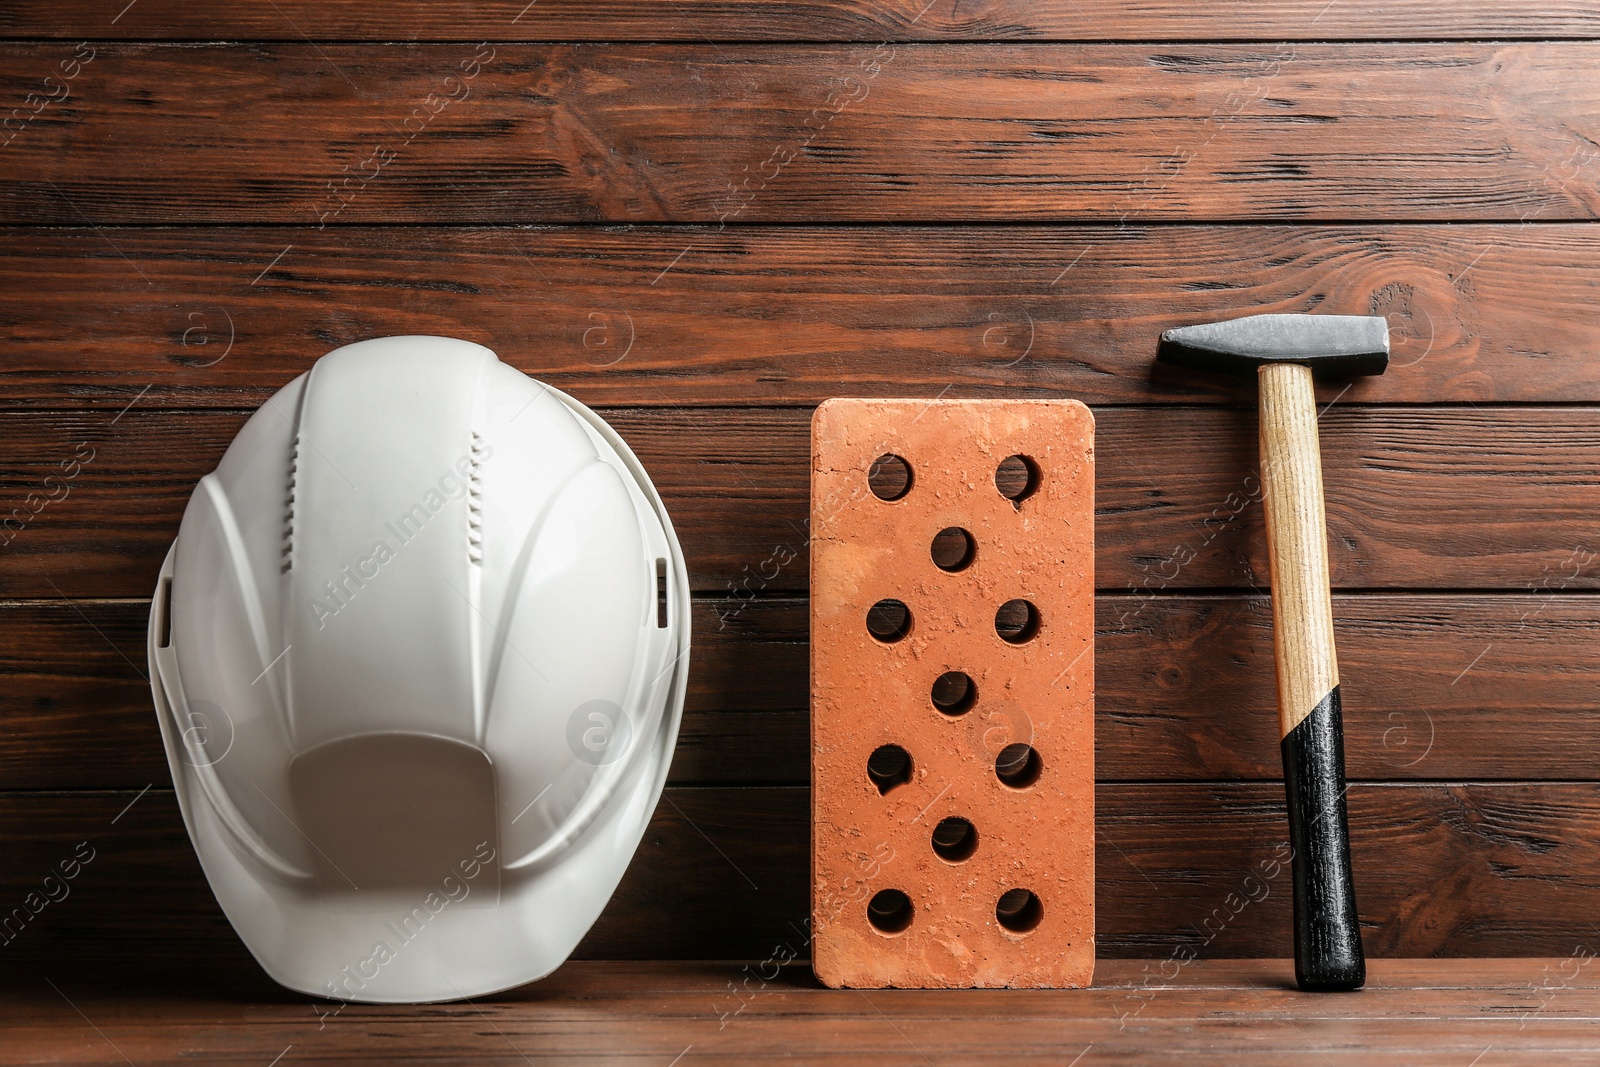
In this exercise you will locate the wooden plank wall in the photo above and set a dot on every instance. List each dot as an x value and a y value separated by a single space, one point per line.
703 218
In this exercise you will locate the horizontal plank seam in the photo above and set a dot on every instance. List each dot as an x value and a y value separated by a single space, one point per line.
1195 222
1166 783
146 409
1115 594
864 41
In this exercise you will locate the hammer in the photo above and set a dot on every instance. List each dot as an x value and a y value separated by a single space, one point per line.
1284 351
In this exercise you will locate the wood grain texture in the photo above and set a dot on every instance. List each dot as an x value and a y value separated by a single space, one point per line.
1417 497
854 20
774 316
434 134
1416 1013
1439 687
1297 543
1481 869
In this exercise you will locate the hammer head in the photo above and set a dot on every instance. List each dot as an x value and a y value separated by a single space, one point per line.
1335 345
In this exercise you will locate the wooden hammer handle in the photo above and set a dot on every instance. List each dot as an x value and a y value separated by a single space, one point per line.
1327 935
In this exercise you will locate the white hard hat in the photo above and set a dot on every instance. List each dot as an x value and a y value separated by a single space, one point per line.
419 655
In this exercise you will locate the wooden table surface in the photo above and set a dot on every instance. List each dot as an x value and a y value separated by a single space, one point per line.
1462 1013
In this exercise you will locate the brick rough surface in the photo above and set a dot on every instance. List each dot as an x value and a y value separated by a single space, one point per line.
867 693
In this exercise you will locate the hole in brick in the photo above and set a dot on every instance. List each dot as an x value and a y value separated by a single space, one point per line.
888 620
1019 910
889 766
889 911
955 839
953 549
1016 621
1017 478
954 692
1018 766
889 477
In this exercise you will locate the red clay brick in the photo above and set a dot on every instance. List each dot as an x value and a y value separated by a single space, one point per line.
866 693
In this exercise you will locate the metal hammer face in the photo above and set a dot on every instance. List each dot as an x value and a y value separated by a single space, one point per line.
1332 345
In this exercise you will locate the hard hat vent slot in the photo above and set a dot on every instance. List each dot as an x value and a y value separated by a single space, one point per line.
475 504
661 593
166 614
288 506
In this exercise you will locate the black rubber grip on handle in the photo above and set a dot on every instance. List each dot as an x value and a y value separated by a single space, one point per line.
1327 933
